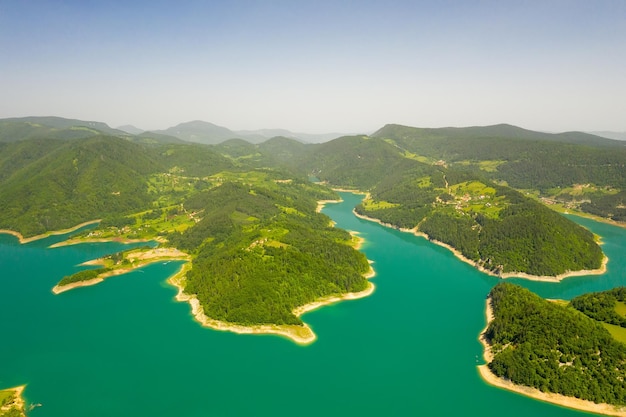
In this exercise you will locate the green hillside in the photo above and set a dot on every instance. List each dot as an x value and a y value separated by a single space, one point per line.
576 170
261 250
14 129
554 348
72 182
498 228
357 162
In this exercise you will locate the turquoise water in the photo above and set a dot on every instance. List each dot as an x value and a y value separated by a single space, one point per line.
126 348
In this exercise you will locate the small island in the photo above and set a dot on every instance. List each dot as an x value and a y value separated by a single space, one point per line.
551 352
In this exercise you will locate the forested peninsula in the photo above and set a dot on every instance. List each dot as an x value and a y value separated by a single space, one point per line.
500 230
243 216
552 352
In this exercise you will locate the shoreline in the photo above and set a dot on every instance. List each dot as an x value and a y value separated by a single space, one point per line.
24 240
522 275
299 334
359 240
558 399
302 335
322 203
590 216
18 401
347 190
143 258
122 240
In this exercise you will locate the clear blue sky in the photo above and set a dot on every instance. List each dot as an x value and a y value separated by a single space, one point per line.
317 66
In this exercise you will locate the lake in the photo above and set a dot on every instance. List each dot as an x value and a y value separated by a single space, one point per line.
125 347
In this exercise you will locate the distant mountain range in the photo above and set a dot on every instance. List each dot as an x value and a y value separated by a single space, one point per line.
210 134
197 131
12 129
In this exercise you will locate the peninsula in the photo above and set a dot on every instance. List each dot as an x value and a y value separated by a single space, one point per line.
118 264
579 365
498 229
301 334
479 265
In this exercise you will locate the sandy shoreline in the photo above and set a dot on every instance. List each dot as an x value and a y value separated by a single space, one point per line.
359 240
18 402
347 190
559 399
593 217
459 255
48 234
140 259
322 203
302 335
71 242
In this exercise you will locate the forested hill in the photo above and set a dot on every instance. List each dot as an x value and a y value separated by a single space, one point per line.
497 228
50 185
261 250
258 247
352 161
14 129
554 348
576 170
500 131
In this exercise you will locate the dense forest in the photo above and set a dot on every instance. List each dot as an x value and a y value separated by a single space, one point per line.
554 348
260 253
601 306
72 182
82 276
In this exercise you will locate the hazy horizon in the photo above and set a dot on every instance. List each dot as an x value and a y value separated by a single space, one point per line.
317 67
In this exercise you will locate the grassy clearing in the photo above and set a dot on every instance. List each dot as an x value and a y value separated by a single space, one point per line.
473 188
148 225
378 205
489 211
242 177
620 308
618 333
419 158
487 166
490 166
291 210
476 197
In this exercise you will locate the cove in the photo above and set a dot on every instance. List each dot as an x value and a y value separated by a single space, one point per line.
125 347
